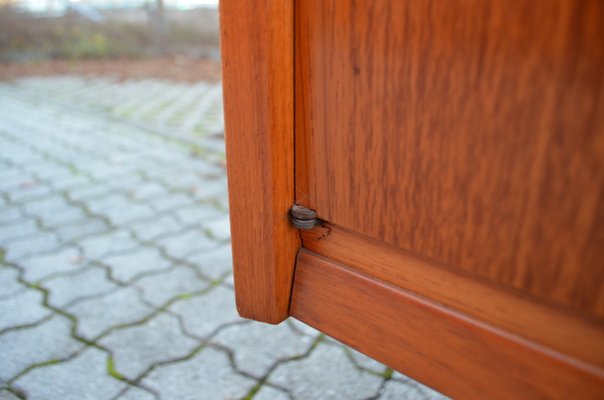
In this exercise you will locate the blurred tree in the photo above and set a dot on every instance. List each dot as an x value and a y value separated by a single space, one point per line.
160 26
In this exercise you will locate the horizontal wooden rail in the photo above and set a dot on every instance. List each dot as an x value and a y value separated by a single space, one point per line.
459 355
548 325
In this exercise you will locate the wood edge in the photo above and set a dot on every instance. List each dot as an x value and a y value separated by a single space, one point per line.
302 155
257 70
444 349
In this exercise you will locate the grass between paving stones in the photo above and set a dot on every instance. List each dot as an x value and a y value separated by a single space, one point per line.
20 395
73 333
174 260
110 365
386 374
203 343
262 381
111 369
38 365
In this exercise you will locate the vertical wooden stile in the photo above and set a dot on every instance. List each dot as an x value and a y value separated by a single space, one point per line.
257 68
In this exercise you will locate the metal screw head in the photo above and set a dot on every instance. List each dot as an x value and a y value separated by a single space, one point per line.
303 218
303 213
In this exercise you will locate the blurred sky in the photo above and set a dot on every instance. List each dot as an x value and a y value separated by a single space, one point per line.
54 6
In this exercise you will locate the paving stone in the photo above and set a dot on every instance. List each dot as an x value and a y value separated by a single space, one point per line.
89 282
188 242
198 214
28 192
151 229
97 247
134 393
68 181
47 170
48 341
83 378
126 213
216 145
137 348
221 202
258 346
97 315
146 190
10 214
46 205
203 314
301 328
368 363
36 268
62 217
18 180
207 169
269 393
6 395
407 389
40 242
178 179
17 230
210 190
326 373
219 229
170 202
99 205
22 309
214 263
22 157
9 283
179 280
229 281
81 229
105 171
123 183
126 267
91 191
10 174
206 376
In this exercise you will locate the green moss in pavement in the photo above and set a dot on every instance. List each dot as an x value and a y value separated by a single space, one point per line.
111 369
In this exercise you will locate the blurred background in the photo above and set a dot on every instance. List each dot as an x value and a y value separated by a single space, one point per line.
115 259
175 39
37 29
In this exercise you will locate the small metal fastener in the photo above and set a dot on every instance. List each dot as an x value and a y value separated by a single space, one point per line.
303 218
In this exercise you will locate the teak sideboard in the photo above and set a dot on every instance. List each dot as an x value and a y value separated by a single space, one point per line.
446 160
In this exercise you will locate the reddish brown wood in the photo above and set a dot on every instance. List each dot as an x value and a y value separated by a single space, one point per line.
257 70
457 149
441 347
467 131
547 325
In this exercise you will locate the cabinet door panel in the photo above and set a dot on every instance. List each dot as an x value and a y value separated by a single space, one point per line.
468 132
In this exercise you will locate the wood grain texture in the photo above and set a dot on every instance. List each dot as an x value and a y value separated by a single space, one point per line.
468 131
257 70
442 348
564 332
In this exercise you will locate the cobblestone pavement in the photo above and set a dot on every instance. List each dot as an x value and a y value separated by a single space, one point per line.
115 271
